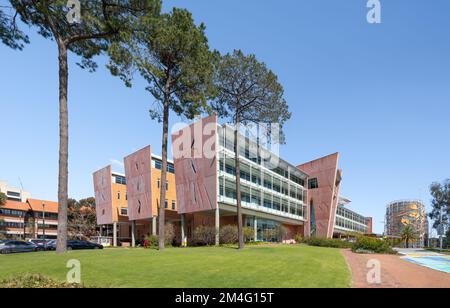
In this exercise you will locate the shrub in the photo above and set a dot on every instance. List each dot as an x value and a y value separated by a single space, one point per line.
229 235
271 235
366 244
298 238
324 242
204 236
36 282
151 241
249 234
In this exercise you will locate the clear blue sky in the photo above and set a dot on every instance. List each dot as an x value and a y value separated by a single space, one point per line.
378 94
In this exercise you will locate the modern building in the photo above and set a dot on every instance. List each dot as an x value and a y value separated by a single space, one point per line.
400 214
13 193
279 199
348 221
29 220
328 215
112 205
273 195
127 205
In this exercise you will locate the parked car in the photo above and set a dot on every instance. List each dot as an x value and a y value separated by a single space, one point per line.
7 247
41 244
75 245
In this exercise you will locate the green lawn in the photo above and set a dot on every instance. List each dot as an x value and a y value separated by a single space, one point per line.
259 266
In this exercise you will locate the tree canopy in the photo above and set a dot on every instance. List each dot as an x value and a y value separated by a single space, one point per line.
248 92
441 203
100 22
172 54
3 199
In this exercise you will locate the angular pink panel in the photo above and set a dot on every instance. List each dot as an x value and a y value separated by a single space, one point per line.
138 173
325 198
103 195
194 152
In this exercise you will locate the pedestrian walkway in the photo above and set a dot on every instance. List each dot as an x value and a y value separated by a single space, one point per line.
433 260
396 272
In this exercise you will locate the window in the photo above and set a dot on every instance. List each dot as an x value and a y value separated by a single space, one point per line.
118 195
173 205
166 204
118 179
313 183
124 211
158 164
13 194
170 168
167 185
159 183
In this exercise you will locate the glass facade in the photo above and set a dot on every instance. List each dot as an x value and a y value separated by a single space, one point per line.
349 221
276 190
266 230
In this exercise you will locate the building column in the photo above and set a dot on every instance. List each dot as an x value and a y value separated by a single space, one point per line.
133 233
217 225
154 222
183 231
115 234
255 225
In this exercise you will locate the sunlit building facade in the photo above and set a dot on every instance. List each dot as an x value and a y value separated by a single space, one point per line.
403 213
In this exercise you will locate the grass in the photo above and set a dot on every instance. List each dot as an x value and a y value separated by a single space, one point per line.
207 267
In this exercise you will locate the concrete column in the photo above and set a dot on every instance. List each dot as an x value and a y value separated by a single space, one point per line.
154 222
183 231
255 224
115 234
133 233
217 226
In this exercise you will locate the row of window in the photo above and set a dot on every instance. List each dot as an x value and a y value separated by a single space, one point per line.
119 179
344 223
275 185
158 165
173 205
8 212
8 224
245 151
343 212
268 202
21 214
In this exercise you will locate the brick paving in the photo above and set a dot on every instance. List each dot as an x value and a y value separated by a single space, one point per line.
395 272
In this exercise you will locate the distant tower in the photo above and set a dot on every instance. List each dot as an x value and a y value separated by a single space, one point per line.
400 214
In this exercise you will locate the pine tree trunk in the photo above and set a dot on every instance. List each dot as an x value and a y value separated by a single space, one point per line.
162 199
238 181
61 245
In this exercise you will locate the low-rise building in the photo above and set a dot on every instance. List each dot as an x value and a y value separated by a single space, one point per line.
14 193
279 200
32 219
127 204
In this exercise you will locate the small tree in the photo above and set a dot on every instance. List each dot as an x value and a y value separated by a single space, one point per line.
82 218
408 235
440 213
172 54
248 92
3 199
87 31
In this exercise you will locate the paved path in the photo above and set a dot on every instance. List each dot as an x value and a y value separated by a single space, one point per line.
395 272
